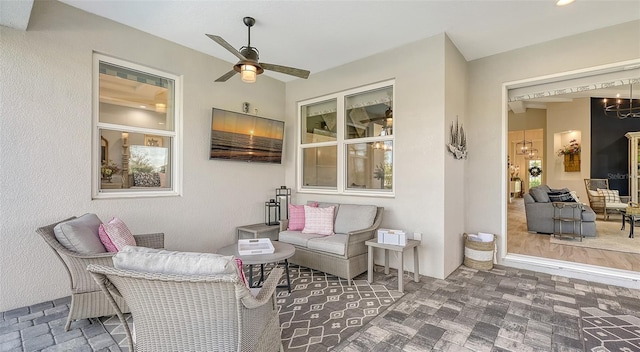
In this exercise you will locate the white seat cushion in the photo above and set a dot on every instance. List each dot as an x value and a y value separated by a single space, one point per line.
296 238
335 244
171 262
616 205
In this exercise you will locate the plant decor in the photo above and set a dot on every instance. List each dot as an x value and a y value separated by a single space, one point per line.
457 141
572 148
535 171
108 169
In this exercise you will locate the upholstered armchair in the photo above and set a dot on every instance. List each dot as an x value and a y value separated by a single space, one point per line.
87 300
604 202
180 312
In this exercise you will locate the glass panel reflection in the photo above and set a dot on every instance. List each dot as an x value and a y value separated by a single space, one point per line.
319 122
370 165
319 167
369 114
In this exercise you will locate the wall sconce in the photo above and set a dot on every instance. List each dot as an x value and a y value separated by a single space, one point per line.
248 73
283 195
125 138
271 212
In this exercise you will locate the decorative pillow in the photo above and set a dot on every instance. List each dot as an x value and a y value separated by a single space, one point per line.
115 235
146 179
80 234
610 195
575 196
560 197
539 194
593 193
352 217
172 262
241 272
296 216
318 220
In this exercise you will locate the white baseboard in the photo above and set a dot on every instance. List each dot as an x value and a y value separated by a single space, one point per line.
607 276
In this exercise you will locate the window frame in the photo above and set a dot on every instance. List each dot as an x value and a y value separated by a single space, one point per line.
342 142
175 135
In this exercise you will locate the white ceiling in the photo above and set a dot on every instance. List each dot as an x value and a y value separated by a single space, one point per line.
319 35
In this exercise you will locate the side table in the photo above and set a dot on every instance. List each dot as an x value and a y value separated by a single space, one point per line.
258 231
400 249
572 215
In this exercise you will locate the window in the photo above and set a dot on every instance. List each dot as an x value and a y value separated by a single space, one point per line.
346 142
136 123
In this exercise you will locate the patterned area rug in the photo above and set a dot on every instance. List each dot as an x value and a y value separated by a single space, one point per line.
320 312
606 332
608 236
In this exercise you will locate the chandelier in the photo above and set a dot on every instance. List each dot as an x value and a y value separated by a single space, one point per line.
523 147
533 154
621 109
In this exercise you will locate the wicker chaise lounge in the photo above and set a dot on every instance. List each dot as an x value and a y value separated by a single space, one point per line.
87 300
174 312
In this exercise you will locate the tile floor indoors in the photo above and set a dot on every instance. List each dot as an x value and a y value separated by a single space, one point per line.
503 309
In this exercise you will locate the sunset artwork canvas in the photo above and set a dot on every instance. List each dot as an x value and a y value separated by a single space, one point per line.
243 137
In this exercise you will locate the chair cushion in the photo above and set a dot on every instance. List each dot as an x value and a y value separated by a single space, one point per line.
172 262
617 205
80 234
352 217
297 238
540 194
115 235
318 220
296 216
335 244
610 195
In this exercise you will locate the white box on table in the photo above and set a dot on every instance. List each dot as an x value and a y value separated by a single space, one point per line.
255 246
395 237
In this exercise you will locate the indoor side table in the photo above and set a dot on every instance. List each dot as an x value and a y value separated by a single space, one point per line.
283 251
395 248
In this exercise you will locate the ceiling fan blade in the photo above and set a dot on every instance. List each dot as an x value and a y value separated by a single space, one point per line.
226 76
226 45
287 70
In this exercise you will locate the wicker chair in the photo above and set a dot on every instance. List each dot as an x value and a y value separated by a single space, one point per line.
599 203
87 300
194 313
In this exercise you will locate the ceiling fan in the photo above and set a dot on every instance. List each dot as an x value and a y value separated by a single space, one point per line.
387 118
249 66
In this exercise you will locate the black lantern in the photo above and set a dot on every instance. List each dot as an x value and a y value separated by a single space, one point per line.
283 196
271 212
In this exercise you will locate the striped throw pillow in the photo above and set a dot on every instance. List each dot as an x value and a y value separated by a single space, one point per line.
115 235
610 195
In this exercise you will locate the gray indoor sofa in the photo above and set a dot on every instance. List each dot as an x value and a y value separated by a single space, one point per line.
540 211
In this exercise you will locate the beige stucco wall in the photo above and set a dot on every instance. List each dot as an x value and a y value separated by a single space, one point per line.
419 151
45 146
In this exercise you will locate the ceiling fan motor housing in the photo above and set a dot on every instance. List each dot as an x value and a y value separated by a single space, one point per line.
252 56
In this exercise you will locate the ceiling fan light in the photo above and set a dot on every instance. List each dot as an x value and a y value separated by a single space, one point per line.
248 73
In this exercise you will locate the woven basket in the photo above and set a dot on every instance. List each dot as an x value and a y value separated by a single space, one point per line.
478 255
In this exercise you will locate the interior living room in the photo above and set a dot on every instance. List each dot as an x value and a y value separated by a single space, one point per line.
540 131
158 165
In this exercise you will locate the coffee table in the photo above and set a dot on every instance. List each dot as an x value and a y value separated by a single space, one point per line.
283 251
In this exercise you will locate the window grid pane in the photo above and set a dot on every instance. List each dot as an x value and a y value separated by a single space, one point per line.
370 165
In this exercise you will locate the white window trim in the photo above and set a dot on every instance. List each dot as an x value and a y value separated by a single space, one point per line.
176 134
341 142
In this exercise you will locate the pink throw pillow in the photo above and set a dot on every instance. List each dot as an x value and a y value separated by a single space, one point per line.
318 220
115 235
241 272
296 216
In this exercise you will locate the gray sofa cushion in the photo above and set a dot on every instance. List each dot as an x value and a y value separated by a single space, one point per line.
296 238
352 217
540 194
80 234
335 244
